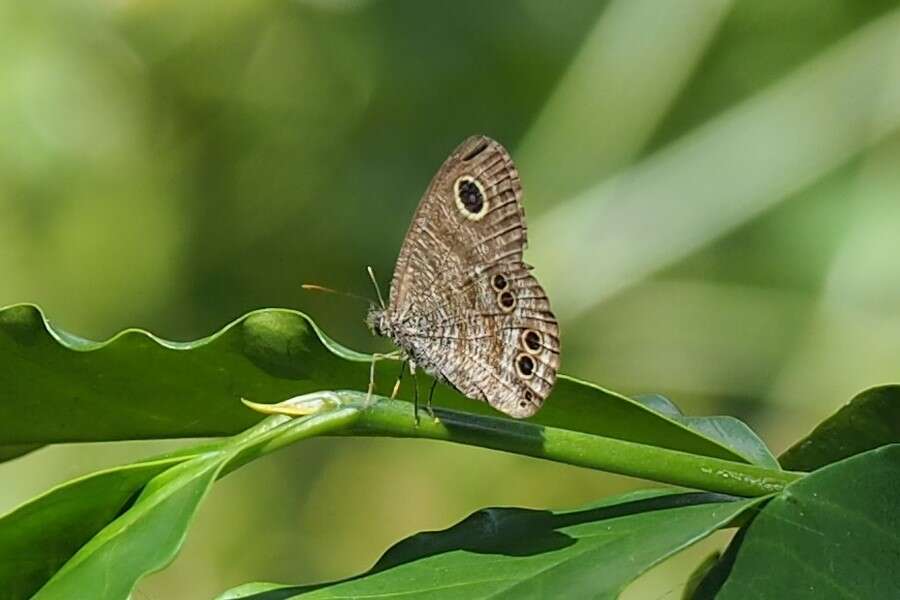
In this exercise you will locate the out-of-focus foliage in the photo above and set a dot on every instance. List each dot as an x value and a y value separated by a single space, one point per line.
867 422
712 190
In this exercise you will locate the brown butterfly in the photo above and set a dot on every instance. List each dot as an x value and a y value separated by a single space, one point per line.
463 306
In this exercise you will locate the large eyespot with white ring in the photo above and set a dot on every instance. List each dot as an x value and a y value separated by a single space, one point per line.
470 198
525 366
506 301
531 341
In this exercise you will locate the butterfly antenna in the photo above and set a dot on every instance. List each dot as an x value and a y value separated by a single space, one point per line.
377 289
321 288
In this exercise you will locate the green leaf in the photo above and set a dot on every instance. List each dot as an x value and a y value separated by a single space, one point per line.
85 513
870 420
142 540
832 534
61 388
58 386
37 538
728 431
110 550
518 553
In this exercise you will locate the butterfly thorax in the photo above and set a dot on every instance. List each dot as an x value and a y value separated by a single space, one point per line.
383 323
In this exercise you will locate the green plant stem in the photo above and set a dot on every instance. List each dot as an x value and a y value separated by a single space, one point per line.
395 418
352 415
279 431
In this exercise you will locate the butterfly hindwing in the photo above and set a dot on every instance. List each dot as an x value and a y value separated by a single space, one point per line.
509 354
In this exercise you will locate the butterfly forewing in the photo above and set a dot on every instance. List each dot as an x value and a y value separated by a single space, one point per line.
463 304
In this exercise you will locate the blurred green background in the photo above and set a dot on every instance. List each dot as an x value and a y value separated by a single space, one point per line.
713 193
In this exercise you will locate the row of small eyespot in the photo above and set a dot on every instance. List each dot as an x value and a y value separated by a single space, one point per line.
530 340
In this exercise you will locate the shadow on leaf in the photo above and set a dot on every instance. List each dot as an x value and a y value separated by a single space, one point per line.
516 532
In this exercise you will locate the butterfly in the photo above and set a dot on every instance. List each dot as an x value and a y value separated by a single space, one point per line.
463 306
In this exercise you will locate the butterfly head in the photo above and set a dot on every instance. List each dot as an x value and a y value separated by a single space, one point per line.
377 321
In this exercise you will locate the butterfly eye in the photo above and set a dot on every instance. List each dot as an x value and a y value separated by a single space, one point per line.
506 301
531 341
525 366
470 198
499 282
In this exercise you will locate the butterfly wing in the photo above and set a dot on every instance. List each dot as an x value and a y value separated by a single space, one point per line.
462 303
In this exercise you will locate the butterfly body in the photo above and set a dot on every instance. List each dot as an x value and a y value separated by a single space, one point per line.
463 305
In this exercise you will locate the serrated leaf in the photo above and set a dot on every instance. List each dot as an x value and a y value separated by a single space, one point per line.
57 386
520 553
728 431
870 420
832 534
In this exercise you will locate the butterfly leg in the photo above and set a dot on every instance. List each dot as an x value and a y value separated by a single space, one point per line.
412 370
430 396
375 358
399 378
